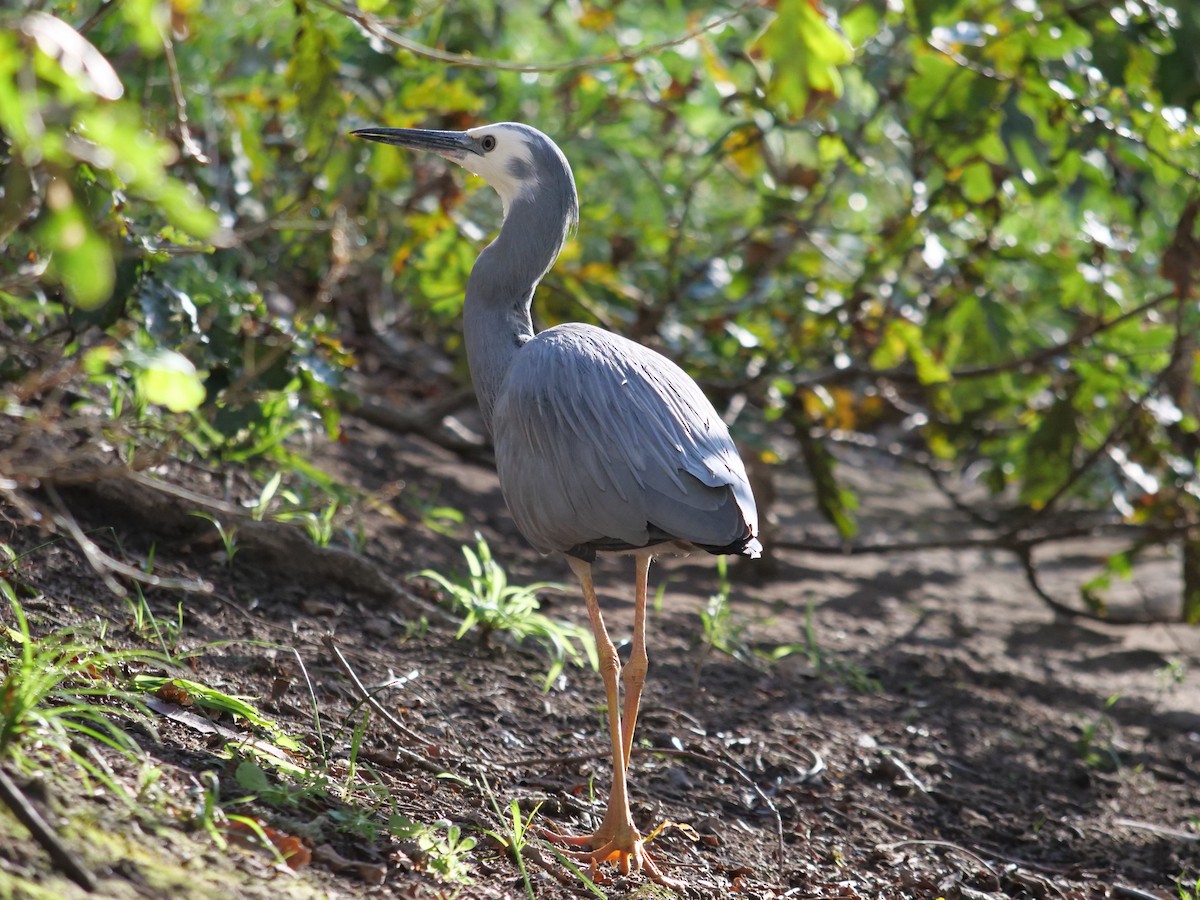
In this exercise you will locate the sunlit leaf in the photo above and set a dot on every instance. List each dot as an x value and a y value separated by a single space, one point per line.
860 23
82 259
977 183
799 54
170 380
149 20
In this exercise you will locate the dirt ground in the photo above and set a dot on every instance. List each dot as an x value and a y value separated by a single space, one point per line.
930 729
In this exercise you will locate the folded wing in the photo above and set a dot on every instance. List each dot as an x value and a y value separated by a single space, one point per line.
602 444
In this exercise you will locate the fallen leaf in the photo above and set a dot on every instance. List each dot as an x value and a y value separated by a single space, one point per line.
173 693
289 846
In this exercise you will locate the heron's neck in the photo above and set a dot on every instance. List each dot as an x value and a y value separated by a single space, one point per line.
496 318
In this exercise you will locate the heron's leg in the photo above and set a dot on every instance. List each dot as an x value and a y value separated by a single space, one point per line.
618 816
634 675
617 837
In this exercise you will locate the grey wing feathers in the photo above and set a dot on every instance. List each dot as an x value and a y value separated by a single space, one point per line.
604 444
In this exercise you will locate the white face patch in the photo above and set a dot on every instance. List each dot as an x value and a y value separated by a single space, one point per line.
508 167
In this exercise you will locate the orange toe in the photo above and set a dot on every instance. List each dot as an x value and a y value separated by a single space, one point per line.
627 850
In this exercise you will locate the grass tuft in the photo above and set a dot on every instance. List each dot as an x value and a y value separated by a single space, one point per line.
486 600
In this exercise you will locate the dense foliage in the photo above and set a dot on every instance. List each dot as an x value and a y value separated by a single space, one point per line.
961 229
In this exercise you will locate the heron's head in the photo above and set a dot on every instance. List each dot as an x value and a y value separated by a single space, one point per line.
520 162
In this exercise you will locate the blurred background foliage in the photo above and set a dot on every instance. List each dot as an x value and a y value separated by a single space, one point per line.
959 232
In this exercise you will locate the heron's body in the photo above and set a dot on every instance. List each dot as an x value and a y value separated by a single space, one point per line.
601 444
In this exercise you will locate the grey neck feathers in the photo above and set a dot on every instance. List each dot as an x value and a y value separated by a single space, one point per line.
496 318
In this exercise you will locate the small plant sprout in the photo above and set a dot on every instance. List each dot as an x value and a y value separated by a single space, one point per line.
512 832
265 496
513 836
722 632
827 665
1096 744
208 813
725 632
443 520
487 600
228 535
145 624
446 856
356 741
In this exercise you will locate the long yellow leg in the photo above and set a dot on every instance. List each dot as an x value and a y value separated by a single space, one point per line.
634 676
610 671
617 837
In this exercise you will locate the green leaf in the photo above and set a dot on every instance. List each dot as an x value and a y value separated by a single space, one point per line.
82 261
861 24
186 210
928 11
251 777
902 337
169 379
798 54
977 183
97 360
149 20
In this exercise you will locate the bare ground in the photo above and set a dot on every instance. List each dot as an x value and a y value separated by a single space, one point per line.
935 731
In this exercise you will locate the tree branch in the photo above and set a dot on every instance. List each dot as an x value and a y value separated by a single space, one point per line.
376 28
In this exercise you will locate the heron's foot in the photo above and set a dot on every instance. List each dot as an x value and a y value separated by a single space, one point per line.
568 840
624 846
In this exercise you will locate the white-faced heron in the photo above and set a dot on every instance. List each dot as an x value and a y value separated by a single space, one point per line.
602 445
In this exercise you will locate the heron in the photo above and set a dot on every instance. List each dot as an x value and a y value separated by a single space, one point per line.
602 445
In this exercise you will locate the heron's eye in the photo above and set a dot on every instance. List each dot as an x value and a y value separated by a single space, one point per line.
488 143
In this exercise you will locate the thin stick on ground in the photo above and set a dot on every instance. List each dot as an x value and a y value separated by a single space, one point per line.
951 847
28 816
730 766
105 566
402 729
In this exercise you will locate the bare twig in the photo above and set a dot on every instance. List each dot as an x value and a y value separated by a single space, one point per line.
104 9
190 146
1124 892
374 27
1187 837
182 493
729 765
534 854
907 374
28 816
1009 540
271 543
407 755
1016 541
367 695
428 422
1025 555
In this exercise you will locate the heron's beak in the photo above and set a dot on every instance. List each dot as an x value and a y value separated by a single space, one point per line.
453 145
